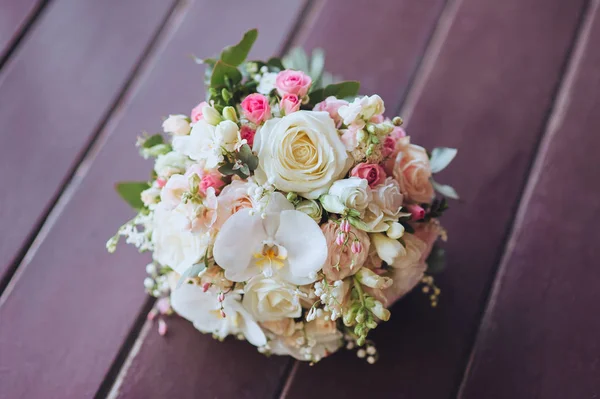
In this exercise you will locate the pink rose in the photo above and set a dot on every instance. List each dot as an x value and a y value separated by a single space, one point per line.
411 169
292 82
372 173
331 106
256 108
197 112
247 133
341 261
417 212
211 179
289 103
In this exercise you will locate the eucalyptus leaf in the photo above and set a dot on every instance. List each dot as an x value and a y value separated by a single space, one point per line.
131 191
348 88
222 70
191 272
247 156
236 54
445 190
153 140
441 157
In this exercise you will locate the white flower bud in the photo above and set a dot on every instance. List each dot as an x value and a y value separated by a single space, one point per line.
177 125
395 231
211 116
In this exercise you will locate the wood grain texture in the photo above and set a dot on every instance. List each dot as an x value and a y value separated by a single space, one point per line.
14 15
54 92
73 304
541 334
487 94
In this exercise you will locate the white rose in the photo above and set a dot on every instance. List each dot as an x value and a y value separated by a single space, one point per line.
269 299
170 163
353 192
174 246
301 152
177 125
206 141
311 208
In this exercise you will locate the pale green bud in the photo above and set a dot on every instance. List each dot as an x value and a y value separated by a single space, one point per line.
380 311
211 115
395 231
362 136
230 114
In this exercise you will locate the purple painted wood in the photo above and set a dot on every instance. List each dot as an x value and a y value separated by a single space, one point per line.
540 337
14 15
487 94
72 304
179 356
54 92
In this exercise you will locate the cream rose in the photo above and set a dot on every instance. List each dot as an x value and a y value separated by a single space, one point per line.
174 246
269 299
412 171
389 199
300 152
353 192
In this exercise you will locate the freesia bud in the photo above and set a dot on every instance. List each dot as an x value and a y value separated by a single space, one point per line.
211 116
395 231
381 312
368 278
230 114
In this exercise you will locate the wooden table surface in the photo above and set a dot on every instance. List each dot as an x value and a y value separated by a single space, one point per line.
514 84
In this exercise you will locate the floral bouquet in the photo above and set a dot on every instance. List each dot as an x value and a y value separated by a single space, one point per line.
286 209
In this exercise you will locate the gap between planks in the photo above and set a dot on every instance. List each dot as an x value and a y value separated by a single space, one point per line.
88 153
554 120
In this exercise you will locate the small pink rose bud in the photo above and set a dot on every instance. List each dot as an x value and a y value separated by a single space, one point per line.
162 327
256 108
161 182
341 237
221 297
205 287
416 211
345 226
223 315
356 247
289 103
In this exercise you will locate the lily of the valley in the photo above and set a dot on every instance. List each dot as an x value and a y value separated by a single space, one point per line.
279 242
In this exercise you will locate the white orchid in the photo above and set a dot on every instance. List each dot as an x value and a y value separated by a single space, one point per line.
209 315
280 241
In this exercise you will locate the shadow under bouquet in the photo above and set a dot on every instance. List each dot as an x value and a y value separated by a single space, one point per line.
286 210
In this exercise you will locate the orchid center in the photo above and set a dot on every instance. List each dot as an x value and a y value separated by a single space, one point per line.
270 257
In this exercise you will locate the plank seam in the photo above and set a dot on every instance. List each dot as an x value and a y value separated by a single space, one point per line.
69 183
553 121
32 18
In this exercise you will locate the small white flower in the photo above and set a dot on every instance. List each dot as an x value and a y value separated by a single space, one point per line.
170 163
266 83
207 142
177 125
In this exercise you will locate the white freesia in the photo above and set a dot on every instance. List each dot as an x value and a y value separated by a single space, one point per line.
353 192
174 246
270 299
301 152
286 243
395 231
177 125
206 142
203 309
266 83
170 163
388 249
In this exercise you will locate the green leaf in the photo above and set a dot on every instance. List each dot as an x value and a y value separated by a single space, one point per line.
236 54
131 191
276 63
247 156
296 59
436 261
222 70
153 140
228 170
191 272
340 90
445 190
441 157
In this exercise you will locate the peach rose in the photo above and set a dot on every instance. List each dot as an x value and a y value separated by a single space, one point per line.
331 105
292 82
372 173
256 108
412 172
341 262
233 198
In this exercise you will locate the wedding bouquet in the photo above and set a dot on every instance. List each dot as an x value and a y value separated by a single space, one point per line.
286 209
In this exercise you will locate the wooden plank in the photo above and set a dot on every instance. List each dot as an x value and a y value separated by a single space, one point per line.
14 15
72 303
487 94
540 337
158 357
54 92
